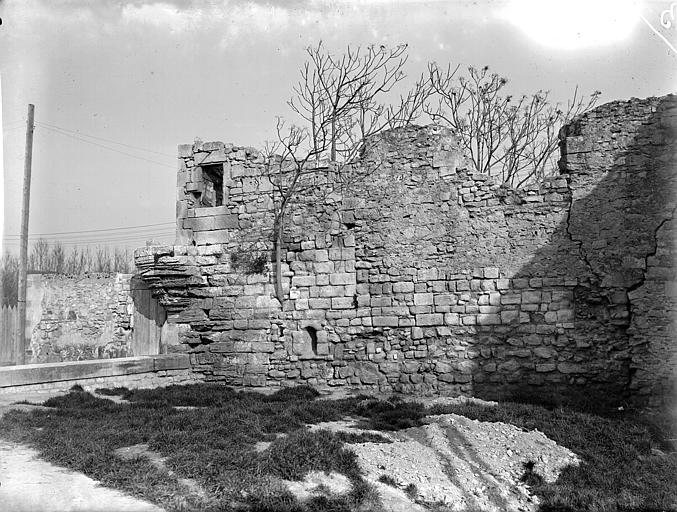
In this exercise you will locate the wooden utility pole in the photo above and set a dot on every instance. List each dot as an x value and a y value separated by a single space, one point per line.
23 251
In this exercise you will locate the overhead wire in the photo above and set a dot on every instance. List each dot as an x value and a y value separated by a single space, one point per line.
96 236
81 139
127 228
80 133
129 234
103 241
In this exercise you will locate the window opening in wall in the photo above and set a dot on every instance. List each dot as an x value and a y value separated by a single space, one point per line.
312 332
212 176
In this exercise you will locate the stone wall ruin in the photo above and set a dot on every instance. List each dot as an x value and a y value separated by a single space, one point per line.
428 277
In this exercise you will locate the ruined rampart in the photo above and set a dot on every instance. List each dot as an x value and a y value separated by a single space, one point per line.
425 276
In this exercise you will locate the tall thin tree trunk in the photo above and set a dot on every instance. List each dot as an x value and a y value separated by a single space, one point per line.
333 139
279 292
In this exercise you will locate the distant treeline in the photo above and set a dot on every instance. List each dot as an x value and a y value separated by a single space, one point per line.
53 258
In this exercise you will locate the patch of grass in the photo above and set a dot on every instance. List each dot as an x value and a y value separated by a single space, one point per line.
392 414
121 392
388 480
294 456
411 491
618 471
530 477
361 437
214 445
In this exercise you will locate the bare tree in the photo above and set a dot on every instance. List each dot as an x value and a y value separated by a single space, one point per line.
341 100
57 258
514 139
39 258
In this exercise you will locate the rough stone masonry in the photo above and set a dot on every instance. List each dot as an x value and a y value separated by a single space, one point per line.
429 277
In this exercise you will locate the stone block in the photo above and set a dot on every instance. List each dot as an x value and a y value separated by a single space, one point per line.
570 368
433 319
319 303
380 302
545 352
510 316
212 237
531 297
502 284
488 319
567 315
509 366
423 299
385 321
469 320
511 298
211 211
225 222
342 303
490 309
551 317
199 223
403 287
342 278
491 273
451 318
303 281
332 291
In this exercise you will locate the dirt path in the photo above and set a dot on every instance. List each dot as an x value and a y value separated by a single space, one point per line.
30 484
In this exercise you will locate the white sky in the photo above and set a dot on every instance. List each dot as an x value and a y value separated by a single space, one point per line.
157 74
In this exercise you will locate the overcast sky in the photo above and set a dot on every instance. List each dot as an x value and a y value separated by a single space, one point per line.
153 75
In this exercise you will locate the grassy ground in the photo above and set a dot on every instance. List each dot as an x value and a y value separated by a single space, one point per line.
215 446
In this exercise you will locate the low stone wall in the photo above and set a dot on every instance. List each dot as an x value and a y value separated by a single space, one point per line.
130 372
76 318
426 277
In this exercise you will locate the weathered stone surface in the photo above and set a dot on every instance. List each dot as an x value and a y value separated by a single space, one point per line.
423 262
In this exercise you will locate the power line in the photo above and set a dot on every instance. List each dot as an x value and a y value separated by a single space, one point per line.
104 241
80 133
102 229
41 125
110 236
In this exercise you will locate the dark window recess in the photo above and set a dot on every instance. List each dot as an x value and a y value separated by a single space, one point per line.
212 176
312 332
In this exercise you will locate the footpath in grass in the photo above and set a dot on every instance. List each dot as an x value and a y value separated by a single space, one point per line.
209 433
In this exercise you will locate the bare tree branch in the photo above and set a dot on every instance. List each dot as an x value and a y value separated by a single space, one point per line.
513 140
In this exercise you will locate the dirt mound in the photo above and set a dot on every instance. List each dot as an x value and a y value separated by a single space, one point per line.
460 463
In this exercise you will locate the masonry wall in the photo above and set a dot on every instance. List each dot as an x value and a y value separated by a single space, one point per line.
622 159
428 277
74 318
